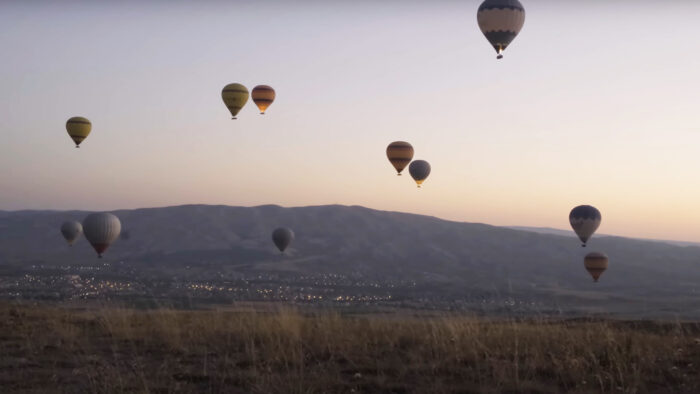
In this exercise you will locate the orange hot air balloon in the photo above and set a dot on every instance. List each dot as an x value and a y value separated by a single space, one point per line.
399 153
263 96
596 263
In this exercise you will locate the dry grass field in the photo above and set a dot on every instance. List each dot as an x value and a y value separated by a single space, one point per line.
113 350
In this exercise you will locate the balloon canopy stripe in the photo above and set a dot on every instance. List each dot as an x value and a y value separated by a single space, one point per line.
584 212
501 20
400 162
490 4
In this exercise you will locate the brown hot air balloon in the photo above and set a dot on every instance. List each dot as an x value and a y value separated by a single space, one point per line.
263 96
585 220
399 153
595 264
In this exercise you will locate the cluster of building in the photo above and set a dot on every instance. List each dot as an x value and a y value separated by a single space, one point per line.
124 282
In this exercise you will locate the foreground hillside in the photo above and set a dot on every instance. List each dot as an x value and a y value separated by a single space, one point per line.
446 260
287 351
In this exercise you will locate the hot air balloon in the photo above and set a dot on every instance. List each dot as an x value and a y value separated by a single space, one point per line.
263 96
419 170
101 229
399 153
595 264
71 231
78 129
584 219
500 21
282 237
235 96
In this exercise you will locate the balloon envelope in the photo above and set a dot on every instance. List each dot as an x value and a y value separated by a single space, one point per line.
596 263
71 231
585 220
282 237
500 21
419 170
263 96
399 153
78 129
235 96
101 229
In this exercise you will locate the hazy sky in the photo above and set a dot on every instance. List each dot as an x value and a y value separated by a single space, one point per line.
596 102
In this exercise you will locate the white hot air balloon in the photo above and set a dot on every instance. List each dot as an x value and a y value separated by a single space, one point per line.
101 229
71 231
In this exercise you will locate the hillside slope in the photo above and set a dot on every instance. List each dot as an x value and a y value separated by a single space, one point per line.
361 241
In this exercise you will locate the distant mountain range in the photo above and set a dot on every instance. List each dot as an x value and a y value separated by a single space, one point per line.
570 233
455 258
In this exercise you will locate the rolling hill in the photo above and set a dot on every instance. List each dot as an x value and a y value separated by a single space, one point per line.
453 257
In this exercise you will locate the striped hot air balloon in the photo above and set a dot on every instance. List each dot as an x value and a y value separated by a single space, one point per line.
585 220
78 129
399 153
263 96
419 170
101 229
500 21
596 263
235 96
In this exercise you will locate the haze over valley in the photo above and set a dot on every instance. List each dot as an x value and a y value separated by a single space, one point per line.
347 255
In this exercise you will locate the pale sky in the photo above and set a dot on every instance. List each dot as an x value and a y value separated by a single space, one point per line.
596 102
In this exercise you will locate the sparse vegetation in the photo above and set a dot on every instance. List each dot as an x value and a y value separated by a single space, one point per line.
284 350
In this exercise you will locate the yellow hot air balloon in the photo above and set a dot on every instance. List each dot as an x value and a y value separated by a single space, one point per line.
263 96
235 96
78 129
596 263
